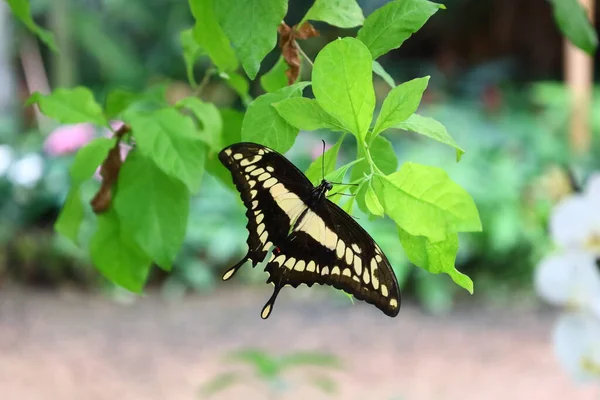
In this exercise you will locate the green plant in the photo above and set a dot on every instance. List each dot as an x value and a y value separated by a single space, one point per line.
142 206
271 370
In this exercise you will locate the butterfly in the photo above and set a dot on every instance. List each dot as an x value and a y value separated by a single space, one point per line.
311 239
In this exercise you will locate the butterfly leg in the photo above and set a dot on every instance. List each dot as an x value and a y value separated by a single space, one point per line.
231 271
266 311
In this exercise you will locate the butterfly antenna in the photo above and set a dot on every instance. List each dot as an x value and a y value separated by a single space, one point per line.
323 160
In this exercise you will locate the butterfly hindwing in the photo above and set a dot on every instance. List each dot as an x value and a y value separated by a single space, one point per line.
313 240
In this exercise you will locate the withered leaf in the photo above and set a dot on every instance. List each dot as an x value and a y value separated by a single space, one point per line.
289 46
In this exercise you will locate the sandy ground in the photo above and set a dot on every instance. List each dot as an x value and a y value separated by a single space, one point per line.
80 347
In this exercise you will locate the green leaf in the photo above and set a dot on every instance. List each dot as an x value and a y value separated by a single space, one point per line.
220 383
315 171
307 114
424 201
153 208
116 257
338 176
252 28
117 101
389 26
378 70
340 13
400 103
21 10
372 202
239 84
209 117
431 128
89 158
232 128
275 78
172 142
70 106
210 36
435 257
71 215
266 365
191 52
574 23
383 156
343 84
262 124
309 359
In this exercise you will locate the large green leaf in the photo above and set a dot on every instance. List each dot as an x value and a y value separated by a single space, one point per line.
275 78
251 26
431 128
239 84
389 26
117 257
21 10
340 13
210 36
575 25
70 217
171 140
262 124
191 52
324 164
70 106
343 84
153 208
89 158
424 201
232 128
400 103
307 114
209 117
435 257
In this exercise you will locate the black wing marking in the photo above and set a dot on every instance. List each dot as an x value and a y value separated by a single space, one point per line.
328 247
256 170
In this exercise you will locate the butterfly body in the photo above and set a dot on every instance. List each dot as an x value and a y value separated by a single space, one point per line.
313 240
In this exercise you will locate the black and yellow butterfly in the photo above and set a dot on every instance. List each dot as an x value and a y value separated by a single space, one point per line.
313 240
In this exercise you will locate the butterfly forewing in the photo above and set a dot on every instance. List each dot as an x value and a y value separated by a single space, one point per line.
313 240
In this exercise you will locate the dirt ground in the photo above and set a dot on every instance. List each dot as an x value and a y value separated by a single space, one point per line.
72 346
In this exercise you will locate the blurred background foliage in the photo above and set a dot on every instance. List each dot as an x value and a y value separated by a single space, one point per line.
495 85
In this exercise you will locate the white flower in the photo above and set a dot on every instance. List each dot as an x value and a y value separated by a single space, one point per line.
577 345
6 157
569 278
27 171
575 221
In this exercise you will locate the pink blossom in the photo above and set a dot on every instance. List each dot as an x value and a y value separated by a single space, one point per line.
68 138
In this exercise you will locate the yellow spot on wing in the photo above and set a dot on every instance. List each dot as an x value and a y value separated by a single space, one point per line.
325 271
300 266
335 270
339 250
356 248
346 272
393 303
266 311
349 256
357 264
366 277
311 266
384 290
290 263
269 182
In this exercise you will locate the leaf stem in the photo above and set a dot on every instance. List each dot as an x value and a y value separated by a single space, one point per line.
205 79
304 55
